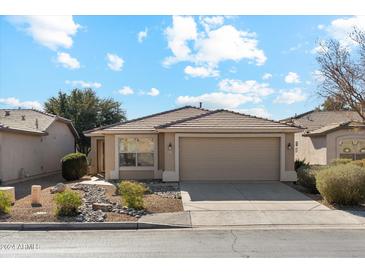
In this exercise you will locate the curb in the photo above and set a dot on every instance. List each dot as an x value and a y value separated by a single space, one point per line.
85 226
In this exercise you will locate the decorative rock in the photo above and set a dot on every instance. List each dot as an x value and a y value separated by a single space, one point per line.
60 187
36 194
11 192
102 206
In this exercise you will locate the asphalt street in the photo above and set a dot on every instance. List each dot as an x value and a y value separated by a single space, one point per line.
185 243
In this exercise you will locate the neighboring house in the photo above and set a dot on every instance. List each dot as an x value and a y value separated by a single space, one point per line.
32 143
328 135
194 144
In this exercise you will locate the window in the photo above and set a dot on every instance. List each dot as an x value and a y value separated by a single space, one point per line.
136 152
352 149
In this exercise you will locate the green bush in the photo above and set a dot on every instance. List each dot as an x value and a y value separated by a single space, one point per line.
307 178
341 161
5 202
132 194
67 203
342 184
300 163
74 166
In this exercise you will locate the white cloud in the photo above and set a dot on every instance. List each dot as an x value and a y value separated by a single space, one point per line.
202 72
228 43
209 47
318 76
142 35
290 96
52 32
232 93
217 99
67 61
14 102
153 92
126 90
83 84
259 112
267 76
248 87
183 30
340 28
114 62
210 22
292 78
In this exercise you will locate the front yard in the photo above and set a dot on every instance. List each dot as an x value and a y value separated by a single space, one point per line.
100 202
339 185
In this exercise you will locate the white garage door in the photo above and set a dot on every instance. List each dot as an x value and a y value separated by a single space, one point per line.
210 158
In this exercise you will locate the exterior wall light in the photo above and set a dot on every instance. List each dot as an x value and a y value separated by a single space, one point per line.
289 146
169 147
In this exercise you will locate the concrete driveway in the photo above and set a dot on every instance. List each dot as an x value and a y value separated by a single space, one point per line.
211 204
206 196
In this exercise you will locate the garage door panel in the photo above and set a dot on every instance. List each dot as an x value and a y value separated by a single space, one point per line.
222 158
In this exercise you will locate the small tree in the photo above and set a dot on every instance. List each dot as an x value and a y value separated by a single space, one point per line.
333 103
343 72
86 110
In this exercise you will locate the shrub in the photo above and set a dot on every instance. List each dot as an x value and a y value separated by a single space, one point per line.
342 184
300 163
341 161
5 202
74 166
307 178
360 163
132 194
67 203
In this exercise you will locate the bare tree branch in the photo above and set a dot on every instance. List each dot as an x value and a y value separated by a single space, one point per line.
344 72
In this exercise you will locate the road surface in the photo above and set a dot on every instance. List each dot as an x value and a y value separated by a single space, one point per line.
185 243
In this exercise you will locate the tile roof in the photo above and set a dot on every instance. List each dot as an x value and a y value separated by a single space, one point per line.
189 117
29 121
225 119
314 120
329 128
149 123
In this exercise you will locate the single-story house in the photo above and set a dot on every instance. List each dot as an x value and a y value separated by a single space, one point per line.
32 143
328 135
195 144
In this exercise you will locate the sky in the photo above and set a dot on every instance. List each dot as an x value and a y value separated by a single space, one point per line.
259 65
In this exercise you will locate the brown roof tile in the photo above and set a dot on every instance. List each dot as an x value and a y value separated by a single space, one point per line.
314 120
150 122
29 121
224 119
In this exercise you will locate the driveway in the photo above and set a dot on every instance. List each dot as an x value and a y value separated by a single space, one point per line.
244 196
212 204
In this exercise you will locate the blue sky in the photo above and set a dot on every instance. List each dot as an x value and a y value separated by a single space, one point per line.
261 65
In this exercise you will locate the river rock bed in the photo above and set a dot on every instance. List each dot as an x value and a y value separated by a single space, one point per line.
96 205
166 190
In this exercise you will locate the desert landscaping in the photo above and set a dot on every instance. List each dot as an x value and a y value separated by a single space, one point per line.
101 201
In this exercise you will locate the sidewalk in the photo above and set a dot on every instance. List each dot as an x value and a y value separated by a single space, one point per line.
201 219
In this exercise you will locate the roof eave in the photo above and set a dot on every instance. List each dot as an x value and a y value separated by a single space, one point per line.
121 131
28 132
231 130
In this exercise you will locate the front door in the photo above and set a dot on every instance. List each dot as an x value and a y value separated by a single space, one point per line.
100 156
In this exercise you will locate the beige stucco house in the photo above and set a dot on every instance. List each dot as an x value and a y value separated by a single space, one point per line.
32 143
195 144
328 135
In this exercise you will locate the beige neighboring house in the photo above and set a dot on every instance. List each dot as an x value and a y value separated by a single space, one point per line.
328 135
195 144
32 143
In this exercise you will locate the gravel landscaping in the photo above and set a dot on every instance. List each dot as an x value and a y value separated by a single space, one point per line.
100 203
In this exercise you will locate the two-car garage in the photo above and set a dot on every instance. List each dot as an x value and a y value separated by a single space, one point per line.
229 158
